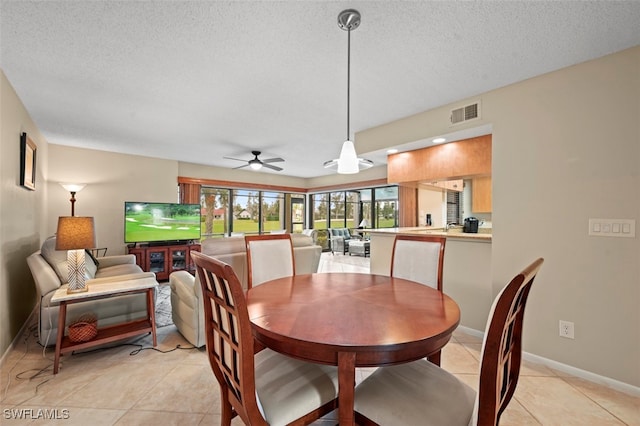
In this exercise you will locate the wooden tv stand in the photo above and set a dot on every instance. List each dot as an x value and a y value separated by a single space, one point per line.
165 259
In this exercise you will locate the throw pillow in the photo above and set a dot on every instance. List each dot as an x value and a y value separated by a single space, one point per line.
57 259
90 267
93 258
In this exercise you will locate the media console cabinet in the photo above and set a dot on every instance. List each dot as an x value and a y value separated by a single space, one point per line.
165 259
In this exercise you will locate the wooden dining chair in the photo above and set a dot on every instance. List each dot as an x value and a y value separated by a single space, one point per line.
264 387
419 258
269 257
422 393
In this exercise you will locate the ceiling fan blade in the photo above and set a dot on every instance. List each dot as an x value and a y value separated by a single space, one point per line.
231 158
273 160
269 166
240 167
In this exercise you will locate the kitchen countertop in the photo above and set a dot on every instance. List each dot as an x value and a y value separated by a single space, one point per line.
483 235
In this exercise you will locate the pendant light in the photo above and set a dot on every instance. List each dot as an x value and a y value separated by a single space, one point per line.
348 162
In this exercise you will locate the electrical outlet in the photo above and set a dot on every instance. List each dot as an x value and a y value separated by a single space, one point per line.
566 329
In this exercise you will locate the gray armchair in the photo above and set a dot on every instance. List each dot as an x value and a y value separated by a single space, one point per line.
339 239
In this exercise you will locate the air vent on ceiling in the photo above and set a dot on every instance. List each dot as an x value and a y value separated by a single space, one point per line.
465 113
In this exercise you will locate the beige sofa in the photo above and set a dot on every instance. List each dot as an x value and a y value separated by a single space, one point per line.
49 269
186 294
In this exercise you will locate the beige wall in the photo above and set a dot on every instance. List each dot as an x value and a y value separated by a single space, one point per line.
219 173
432 201
111 180
373 173
22 214
566 147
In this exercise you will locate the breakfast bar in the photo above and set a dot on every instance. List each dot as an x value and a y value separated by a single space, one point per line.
467 267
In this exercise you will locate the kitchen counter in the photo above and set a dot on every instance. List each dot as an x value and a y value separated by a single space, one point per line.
483 235
467 267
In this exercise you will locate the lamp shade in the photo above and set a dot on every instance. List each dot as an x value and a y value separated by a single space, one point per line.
73 187
364 223
348 160
75 232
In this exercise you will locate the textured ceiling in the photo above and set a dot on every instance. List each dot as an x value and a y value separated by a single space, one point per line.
199 80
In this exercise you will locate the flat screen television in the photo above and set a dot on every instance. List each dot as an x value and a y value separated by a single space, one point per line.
159 222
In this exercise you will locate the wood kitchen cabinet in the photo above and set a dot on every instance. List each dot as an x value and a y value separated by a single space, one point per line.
454 160
449 185
481 195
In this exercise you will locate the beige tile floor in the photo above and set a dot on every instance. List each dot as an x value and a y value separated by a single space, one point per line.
122 386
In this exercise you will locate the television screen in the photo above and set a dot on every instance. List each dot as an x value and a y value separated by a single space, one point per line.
149 222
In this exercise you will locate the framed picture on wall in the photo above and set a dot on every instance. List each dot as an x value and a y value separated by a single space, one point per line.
27 162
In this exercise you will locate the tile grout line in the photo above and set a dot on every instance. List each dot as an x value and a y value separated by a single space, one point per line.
593 400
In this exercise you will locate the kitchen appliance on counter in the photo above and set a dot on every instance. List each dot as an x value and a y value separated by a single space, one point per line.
470 225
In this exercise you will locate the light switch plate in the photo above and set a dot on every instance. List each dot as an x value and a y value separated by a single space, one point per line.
612 228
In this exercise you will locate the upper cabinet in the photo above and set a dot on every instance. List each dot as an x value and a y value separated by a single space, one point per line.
449 185
454 160
481 195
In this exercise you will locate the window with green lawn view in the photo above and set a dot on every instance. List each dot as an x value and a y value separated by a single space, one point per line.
350 209
227 211
244 211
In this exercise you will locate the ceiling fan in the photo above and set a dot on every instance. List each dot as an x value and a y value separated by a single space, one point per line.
256 164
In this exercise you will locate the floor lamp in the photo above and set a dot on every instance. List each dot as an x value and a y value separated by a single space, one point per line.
75 234
73 188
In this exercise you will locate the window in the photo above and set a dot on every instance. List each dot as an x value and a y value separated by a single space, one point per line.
386 207
336 210
352 201
454 207
250 211
215 210
272 211
347 209
320 211
366 212
245 212
297 213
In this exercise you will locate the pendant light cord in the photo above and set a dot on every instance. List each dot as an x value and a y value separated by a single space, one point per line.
348 78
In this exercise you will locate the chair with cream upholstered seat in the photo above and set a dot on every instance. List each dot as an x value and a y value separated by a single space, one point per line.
269 257
419 258
264 387
425 394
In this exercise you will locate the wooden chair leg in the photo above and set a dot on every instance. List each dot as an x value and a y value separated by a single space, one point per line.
435 358
227 411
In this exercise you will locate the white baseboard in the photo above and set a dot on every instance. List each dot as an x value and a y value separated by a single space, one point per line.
577 372
471 331
23 329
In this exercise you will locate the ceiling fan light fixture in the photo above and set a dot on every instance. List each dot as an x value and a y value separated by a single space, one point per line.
256 164
348 160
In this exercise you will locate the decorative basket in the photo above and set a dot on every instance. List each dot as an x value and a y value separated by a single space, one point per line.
84 328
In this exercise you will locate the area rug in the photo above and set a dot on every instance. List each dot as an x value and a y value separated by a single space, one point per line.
163 306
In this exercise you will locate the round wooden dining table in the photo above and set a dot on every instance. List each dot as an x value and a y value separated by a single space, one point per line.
351 320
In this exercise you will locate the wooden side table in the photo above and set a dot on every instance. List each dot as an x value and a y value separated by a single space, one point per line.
110 333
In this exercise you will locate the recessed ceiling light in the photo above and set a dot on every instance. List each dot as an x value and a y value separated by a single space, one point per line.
439 140
392 151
